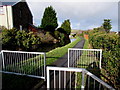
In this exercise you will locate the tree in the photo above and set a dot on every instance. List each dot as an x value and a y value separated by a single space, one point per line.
107 25
49 20
66 26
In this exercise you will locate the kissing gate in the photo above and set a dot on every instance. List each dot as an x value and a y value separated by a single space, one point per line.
33 64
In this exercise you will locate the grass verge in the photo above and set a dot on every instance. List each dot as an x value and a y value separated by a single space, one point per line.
86 61
23 82
54 54
86 45
79 75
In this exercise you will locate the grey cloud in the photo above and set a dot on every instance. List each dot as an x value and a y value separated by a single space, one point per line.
85 14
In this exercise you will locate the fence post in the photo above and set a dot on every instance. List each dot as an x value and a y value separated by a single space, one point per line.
83 79
3 60
68 58
100 58
48 78
45 66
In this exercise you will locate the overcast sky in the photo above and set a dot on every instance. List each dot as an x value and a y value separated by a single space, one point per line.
83 15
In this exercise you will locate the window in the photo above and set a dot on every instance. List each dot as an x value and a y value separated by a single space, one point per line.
1 10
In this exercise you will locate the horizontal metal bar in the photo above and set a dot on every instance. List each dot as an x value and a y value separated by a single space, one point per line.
65 69
23 52
97 79
80 70
85 49
22 74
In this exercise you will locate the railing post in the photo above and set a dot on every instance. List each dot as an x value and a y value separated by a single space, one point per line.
68 58
3 60
83 80
48 78
100 58
45 66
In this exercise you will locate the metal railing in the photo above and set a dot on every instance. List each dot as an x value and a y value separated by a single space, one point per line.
31 64
84 58
74 78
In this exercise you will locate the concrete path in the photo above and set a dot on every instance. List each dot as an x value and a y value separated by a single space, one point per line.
62 62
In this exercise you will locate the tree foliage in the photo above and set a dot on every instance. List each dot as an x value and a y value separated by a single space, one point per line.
109 43
14 39
27 41
8 38
107 25
49 20
61 35
99 29
66 26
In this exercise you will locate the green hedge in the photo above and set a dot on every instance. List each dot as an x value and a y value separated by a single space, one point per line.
109 43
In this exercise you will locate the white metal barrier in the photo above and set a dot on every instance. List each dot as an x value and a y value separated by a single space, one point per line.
84 58
74 78
24 63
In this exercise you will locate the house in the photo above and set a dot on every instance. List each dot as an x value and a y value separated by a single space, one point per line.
15 14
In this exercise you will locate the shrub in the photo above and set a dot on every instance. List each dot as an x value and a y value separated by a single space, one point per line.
14 39
110 45
27 41
8 39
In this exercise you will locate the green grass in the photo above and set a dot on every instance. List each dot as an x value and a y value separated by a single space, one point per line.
55 54
30 67
86 45
14 82
85 63
83 57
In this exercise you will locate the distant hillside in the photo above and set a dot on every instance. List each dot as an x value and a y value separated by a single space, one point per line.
75 31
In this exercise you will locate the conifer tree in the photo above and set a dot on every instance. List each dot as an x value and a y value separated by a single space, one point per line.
66 26
107 25
49 20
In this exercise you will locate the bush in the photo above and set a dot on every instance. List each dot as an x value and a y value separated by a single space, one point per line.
110 45
8 39
27 41
62 37
14 39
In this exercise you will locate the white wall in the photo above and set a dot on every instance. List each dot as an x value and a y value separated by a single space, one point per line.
6 19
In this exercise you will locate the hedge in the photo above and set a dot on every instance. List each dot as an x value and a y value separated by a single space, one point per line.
109 43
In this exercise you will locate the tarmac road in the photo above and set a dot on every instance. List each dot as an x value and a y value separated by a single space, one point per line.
62 62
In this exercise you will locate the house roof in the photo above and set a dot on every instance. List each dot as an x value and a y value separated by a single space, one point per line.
11 3
8 3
